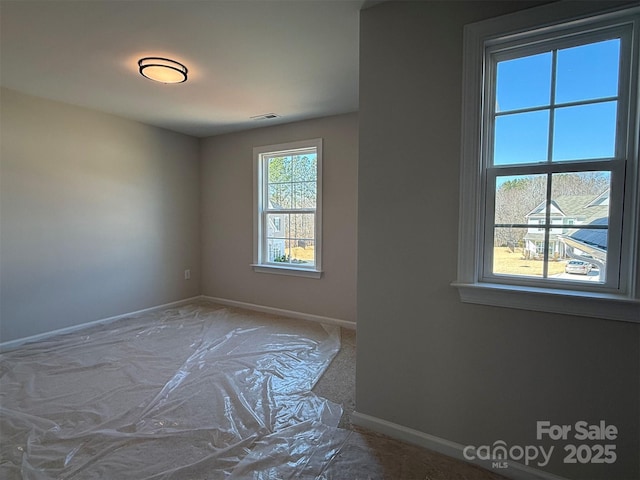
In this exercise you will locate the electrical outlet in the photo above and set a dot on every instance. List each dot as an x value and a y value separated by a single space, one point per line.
187 274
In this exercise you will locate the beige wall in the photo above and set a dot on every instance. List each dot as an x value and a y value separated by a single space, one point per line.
227 220
466 373
99 216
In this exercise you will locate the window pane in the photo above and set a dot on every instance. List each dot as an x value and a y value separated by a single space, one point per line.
521 138
305 167
303 252
581 196
280 196
278 251
584 132
520 199
277 225
515 258
582 267
302 226
278 244
588 71
291 238
524 82
304 195
580 204
279 169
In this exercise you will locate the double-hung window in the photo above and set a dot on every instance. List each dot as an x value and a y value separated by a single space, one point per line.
287 208
550 175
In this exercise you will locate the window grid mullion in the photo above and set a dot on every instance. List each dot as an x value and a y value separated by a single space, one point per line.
552 104
550 140
290 211
577 103
557 167
547 229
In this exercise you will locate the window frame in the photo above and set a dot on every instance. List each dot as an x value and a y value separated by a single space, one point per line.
615 165
260 212
532 27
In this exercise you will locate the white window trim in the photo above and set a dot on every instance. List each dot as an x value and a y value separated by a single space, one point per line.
258 265
624 304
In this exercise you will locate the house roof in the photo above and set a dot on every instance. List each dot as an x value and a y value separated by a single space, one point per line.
595 238
591 242
586 208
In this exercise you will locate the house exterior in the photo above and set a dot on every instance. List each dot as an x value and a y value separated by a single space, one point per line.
276 234
567 212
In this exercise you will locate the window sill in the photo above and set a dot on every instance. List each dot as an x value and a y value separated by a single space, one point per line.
288 270
587 304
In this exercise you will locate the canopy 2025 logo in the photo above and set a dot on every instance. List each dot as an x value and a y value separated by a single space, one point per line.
499 453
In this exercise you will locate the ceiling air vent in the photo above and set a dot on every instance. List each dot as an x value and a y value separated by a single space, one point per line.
265 116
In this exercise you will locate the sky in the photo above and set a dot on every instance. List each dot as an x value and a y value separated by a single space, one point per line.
586 73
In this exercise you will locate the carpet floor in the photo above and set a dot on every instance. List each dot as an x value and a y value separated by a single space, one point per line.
200 392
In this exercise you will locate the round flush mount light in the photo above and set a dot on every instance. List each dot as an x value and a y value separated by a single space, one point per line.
163 70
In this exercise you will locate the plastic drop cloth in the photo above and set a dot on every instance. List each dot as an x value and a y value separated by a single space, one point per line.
189 393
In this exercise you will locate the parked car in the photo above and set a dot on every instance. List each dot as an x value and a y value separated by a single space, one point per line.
578 266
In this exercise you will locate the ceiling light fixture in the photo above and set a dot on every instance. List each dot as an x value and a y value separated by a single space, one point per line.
162 70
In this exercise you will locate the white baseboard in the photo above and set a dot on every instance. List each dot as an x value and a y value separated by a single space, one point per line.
12 344
515 471
284 313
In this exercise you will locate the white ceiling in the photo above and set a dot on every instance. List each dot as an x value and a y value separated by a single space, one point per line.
298 59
